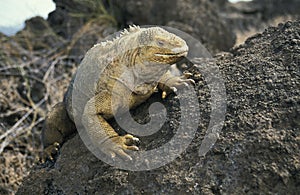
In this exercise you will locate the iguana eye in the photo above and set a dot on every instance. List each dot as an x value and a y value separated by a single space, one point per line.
160 43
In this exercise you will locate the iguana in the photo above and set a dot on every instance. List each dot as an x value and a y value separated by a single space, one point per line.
149 52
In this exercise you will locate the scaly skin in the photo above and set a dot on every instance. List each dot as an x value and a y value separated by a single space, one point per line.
127 68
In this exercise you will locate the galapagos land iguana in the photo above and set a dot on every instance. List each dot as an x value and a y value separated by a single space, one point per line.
148 52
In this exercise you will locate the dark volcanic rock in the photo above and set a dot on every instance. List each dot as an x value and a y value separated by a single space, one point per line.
200 18
82 23
38 35
258 149
70 16
272 8
87 36
63 22
244 16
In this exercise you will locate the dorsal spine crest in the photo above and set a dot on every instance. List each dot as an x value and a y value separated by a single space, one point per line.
132 28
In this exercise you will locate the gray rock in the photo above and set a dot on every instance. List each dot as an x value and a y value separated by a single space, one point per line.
200 16
38 35
245 16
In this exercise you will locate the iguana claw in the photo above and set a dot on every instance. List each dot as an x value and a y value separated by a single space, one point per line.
49 152
177 82
121 145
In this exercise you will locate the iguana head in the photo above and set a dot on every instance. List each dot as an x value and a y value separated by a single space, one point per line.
160 46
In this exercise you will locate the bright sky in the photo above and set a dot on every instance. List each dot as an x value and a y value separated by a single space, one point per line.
15 12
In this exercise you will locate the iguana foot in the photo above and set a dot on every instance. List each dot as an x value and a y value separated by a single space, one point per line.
175 83
49 152
122 144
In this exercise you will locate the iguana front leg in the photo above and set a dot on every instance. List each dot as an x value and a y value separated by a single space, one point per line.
170 82
100 131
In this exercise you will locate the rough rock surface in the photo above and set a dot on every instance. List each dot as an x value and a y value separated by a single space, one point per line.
83 23
38 35
89 34
255 14
64 20
258 149
273 8
198 18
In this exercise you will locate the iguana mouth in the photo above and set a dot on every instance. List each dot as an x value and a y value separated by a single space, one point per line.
180 54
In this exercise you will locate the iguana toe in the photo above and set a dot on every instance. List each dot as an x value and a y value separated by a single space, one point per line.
182 81
131 140
121 153
122 145
175 83
49 152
